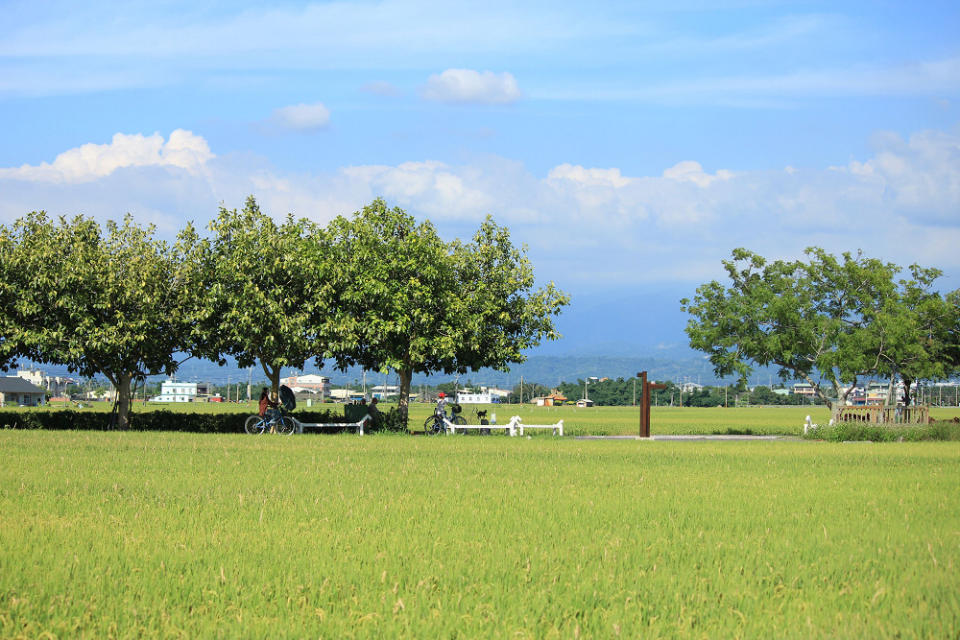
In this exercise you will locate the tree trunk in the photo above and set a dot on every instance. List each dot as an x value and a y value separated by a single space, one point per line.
406 374
907 383
891 391
123 400
834 406
273 375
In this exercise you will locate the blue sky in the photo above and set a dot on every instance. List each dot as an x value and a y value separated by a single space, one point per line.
630 146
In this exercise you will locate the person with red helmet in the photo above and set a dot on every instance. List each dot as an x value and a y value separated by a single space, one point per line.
441 410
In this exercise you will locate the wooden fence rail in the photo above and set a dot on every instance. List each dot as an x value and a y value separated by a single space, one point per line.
917 414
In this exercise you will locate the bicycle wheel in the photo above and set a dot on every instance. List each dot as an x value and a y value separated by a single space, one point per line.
458 419
255 425
285 426
432 426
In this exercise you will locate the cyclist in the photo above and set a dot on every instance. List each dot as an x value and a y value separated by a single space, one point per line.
441 410
268 406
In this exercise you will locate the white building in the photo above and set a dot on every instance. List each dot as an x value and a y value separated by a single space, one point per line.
474 398
309 383
804 389
383 391
171 391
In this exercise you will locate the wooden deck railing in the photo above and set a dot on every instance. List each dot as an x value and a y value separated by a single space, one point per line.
918 414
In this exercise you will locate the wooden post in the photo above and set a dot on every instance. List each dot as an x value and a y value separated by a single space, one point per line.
646 388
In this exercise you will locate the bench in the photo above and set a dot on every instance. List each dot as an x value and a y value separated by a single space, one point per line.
519 426
332 425
452 428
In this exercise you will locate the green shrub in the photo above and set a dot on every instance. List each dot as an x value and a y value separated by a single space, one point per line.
847 431
148 421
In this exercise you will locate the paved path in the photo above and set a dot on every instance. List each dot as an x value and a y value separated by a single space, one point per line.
693 437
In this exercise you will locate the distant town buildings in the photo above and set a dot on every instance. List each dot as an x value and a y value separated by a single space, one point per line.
53 385
17 391
172 391
309 383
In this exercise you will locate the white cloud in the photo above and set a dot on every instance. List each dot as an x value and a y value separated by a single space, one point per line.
302 117
589 177
467 86
88 162
899 204
691 171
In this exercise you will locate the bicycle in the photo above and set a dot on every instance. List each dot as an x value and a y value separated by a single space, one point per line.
257 424
434 424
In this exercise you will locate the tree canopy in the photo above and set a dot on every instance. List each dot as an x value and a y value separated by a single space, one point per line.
269 290
825 320
378 289
422 305
115 303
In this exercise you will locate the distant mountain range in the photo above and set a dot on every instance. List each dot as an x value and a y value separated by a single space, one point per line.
608 334
678 365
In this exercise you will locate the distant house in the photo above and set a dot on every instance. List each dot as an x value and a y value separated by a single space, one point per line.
555 399
804 389
346 395
584 402
16 391
171 391
309 383
54 385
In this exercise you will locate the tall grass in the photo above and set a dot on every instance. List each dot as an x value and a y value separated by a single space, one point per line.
187 535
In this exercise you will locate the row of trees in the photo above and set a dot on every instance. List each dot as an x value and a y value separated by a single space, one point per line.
827 320
376 289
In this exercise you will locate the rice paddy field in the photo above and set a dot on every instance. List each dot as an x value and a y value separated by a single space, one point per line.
109 534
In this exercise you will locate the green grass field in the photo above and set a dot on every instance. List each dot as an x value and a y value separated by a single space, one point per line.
596 420
106 534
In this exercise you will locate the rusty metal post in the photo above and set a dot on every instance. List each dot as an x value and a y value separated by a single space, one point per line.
646 388
644 405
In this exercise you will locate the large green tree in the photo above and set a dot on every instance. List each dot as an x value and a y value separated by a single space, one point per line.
271 291
417 304
114 302
814 319
913 329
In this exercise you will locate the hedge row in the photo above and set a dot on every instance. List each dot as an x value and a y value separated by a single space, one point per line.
853 431
147 421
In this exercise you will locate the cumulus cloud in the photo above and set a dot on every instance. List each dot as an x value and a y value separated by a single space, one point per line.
466 86
919 176
588 177
302 117
91 161
899 204
691 171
